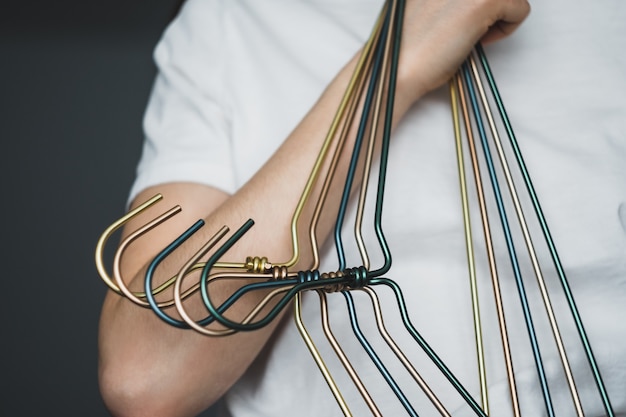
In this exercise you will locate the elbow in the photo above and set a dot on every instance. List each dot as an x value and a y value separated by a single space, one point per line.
137 391
127 393
124 395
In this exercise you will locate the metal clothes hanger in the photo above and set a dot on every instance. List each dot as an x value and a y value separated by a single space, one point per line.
370 94
469 81
351 277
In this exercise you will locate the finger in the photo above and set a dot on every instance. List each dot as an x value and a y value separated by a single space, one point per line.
508 23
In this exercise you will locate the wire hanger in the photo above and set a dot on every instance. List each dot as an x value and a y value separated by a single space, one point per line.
469 81
370 94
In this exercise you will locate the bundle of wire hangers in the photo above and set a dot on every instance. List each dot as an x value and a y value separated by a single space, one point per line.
371 89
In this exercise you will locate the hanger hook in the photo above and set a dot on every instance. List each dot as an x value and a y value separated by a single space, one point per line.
108 232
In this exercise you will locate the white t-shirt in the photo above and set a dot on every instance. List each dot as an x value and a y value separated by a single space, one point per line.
235 77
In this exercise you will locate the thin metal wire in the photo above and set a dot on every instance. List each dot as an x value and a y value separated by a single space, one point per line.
374 357
378 213
326 146
117 283
318 357
374 132
401 356
546 232
384 154
430 352
138 297
358 383
108 232
179 296
376 90
529 245
152 267
360 80
510 245
382 49
351 99
160 257
495 281
381 59
480 353
347 187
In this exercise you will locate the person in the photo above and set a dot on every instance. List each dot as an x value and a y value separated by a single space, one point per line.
245 94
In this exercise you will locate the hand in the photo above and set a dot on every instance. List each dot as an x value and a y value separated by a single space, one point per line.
439 34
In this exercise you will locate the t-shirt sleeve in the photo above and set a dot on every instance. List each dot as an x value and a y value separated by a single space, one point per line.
186 122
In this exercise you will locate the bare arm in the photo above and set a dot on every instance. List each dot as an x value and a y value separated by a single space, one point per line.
149 368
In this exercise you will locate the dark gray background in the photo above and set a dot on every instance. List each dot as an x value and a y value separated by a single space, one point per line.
74 80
